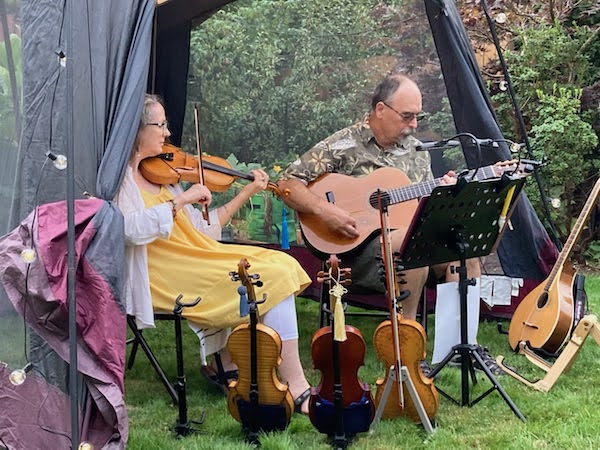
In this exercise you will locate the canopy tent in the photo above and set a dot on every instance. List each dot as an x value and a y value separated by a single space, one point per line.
113 64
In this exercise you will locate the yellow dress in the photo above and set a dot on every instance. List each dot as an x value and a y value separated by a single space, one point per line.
193 264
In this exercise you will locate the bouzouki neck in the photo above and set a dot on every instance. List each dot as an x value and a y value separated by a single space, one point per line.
573 236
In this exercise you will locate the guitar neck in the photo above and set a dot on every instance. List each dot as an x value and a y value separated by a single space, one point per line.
403 194
573 236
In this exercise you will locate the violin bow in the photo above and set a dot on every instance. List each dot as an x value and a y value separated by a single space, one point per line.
200 167
392 288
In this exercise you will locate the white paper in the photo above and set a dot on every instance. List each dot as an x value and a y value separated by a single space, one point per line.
497 290
447 318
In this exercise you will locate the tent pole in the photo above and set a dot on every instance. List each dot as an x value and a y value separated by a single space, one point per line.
73 390
521 122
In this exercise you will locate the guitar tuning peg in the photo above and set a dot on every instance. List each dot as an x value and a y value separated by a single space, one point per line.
258 283
255 276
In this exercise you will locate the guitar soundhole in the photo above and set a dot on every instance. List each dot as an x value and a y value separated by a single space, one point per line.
374 199
542 300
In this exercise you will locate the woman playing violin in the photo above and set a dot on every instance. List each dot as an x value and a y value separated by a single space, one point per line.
171 250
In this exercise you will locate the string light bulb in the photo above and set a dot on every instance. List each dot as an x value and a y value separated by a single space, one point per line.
555 202
514 147
28 255
59 161
85 446
17 377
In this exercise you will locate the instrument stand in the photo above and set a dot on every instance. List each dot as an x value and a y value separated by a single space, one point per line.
392 378
587 326
456 223
183 426
253 429
339 440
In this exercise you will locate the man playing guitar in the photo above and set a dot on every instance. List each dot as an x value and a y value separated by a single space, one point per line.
382 139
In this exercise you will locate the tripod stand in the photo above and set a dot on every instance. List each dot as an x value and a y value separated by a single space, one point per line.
456 223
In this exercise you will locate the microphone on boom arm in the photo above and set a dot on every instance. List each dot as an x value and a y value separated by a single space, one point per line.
445 144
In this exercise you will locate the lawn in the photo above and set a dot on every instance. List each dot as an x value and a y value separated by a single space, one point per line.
561 418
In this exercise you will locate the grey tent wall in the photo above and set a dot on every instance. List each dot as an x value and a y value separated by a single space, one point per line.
526 251
111 45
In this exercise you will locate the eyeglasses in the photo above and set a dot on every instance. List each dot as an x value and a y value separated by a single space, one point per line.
407 116
164 125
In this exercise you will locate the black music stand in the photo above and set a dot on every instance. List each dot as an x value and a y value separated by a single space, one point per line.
456 223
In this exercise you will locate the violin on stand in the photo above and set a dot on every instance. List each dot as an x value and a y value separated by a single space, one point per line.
400 344
341 405
259 400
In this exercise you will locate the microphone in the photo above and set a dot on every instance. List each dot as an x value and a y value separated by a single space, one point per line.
447 143
437 145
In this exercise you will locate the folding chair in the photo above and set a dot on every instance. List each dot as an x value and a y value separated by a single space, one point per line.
139 341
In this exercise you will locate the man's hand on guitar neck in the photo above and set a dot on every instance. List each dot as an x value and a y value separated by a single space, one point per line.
304 201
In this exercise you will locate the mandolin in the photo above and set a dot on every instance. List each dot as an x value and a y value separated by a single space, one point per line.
544 318
259 400
358 196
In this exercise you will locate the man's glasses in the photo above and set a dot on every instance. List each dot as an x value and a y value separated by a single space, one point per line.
407 116
163 125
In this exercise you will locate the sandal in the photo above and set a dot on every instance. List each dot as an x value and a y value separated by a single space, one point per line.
221 382
299 401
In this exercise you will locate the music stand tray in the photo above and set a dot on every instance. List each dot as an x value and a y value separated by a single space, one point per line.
455 223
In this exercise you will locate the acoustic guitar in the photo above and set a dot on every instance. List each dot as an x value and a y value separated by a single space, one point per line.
544 318
358 196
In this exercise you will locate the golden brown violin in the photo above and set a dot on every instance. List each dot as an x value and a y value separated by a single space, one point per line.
174 165
401 342
259 400
338 355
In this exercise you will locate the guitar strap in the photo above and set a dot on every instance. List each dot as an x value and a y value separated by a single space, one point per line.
579 299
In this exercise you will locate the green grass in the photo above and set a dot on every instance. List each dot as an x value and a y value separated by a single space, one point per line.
565 417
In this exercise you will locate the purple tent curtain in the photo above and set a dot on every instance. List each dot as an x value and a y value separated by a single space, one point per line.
38 292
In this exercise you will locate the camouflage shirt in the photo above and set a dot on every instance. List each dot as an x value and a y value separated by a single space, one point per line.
354 151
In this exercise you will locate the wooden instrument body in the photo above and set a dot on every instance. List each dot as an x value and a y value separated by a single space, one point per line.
272 391
352 356
412 339
545 319
256 350
353 195
358 196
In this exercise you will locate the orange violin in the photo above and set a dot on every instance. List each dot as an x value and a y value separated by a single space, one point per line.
259 400
174 165
399 343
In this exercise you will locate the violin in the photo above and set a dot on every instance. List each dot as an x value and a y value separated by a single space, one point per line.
401 342
259 400
341 403
174 165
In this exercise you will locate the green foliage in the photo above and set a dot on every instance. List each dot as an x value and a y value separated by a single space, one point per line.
263 68
7 107
548 70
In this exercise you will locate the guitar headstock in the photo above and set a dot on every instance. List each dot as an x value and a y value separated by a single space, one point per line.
515 167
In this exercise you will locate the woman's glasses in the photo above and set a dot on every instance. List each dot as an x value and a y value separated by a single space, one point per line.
163 125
